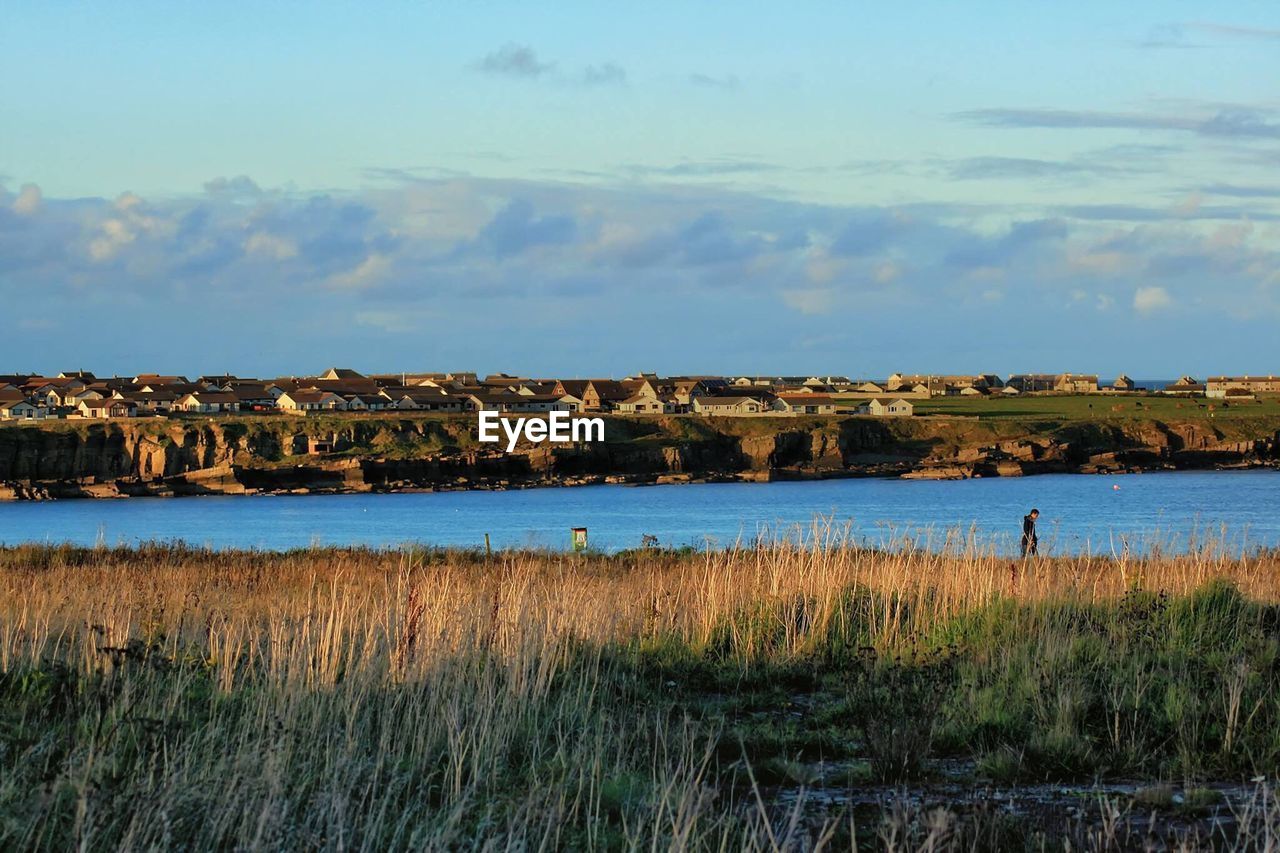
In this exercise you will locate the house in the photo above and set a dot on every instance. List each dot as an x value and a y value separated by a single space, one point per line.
1238 395
84 394
1028 383
340 373
642 387
595 394
1218 386
487 400
15 405
154 379
884 407
501 381
159 402
805 404
944 385
310 400
106 407
207 402
421 400
219 382
253 396
642 404
366 402
1123 383
544 403
1186 386
1074 383
726 405
22 410
53 392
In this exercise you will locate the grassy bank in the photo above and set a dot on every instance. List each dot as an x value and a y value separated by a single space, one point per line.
1076 407
780 698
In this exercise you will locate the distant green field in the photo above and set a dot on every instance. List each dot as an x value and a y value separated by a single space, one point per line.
1085 406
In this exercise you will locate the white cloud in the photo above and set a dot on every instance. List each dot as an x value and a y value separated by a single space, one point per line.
28 200
811 301
115 234
364 274
1148 299
270 246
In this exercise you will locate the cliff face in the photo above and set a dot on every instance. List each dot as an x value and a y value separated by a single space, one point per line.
385 453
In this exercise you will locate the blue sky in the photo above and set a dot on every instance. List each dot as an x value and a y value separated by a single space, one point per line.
598 188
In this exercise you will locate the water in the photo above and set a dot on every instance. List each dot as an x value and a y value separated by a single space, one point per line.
1078 512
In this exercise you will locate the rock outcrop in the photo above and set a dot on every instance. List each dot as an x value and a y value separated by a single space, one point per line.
396 453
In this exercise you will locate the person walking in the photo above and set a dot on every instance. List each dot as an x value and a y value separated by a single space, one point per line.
1030 542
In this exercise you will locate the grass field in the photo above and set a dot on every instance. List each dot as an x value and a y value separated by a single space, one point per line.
775 699
1090 406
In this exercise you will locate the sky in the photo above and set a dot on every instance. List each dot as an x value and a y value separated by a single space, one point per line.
587 189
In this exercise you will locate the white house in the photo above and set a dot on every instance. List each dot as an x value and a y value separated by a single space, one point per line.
885 407
641 404
426 401
805 404
106 408
21 409
545 403
208 402
727 406
310 401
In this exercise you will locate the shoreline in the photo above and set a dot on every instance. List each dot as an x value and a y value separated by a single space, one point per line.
118 489
354 455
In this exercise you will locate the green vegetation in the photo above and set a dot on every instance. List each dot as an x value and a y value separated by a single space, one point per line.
784 698
1066 407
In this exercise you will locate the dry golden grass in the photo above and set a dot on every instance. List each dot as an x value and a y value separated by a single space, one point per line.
165 697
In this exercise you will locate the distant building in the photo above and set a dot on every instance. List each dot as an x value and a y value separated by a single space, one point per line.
1028 383
1218 386
106 408
723 405
642 404
314 400
1063 383
1186 386
944 385
805 404
334 373
1075 383
1123 383
207 402
884 407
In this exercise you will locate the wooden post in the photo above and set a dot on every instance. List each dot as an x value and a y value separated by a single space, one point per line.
488 551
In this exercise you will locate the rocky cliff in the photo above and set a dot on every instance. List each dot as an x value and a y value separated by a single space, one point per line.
390 453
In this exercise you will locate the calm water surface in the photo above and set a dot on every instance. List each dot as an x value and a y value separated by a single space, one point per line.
1175 510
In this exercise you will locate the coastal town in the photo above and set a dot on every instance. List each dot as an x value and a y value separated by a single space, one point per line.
82 394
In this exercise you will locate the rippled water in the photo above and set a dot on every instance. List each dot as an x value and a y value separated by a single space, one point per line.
1099 513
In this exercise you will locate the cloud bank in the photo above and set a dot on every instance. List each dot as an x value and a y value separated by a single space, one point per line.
561 277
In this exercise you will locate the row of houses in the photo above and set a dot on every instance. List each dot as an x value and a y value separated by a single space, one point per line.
80 394
990 384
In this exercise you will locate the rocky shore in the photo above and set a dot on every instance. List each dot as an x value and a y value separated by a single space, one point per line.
376 453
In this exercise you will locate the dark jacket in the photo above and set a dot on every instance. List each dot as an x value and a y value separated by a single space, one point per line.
1029 539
